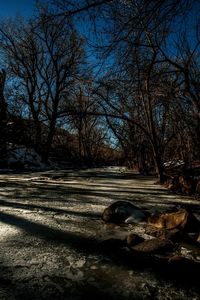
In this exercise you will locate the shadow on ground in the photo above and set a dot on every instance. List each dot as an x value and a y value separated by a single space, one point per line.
33 206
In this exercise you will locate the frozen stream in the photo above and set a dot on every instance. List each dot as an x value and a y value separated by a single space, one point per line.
51 229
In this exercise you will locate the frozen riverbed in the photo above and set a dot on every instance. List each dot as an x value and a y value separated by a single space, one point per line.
51 229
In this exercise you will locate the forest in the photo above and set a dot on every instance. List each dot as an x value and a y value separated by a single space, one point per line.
100 150
102 83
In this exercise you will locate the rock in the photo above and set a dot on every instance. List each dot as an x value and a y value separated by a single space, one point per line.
185 185
185 265
134 239
123 212
169 220
192 225
155 245
183 270
173 234
174 184
197 190
175 259
198 238
154 231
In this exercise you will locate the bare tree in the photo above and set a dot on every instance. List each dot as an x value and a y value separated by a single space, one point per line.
88 126
44 60
144 90
145 84
186 67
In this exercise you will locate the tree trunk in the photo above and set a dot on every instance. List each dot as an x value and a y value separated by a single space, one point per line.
159 166
48 144
3 122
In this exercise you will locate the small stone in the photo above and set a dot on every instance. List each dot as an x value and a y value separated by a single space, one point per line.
93 268
175 258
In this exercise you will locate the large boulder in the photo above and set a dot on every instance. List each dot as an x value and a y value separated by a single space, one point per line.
123 212
182 220
169 220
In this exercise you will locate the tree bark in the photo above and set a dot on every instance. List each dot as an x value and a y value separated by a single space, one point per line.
3 121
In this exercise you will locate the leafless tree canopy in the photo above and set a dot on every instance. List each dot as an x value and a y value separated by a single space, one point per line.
127 87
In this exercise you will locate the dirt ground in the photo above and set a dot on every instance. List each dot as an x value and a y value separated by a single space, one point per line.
51 233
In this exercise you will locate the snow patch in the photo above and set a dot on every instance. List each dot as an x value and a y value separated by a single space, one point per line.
24 157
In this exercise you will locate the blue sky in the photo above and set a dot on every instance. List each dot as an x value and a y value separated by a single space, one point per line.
9 8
